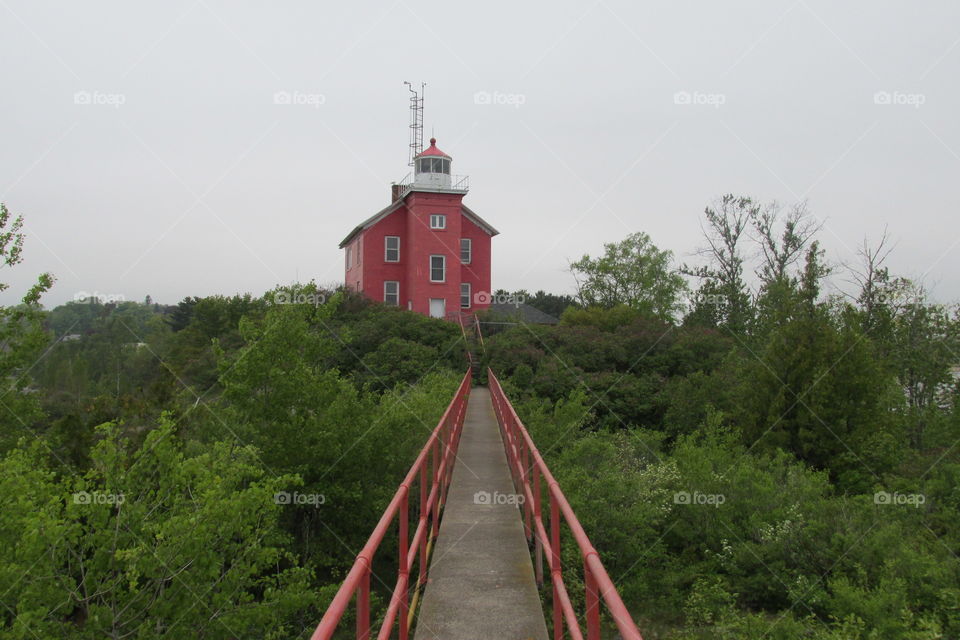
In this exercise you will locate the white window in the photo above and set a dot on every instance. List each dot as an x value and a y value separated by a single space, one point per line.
466 250
438 221
391 292
391 249
348 257
438 268
464 295
433 165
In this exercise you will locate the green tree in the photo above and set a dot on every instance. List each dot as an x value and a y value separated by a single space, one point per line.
723 298
148 542
22 339
632 272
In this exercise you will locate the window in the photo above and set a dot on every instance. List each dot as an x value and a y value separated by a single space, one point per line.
438 221
464 295
438 268
433 165
391 292
348 257
466 250
391 249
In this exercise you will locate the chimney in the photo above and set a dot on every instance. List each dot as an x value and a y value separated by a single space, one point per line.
395 190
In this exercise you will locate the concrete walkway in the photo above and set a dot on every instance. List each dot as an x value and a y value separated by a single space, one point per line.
481 584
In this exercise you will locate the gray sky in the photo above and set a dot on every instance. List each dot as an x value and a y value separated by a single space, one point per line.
143 145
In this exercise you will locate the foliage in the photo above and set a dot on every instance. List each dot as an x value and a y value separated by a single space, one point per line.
147 542
632 272
22 340
780 465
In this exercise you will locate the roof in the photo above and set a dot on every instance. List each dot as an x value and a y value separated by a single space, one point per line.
372 220
432 150
477 220
523 313
383 213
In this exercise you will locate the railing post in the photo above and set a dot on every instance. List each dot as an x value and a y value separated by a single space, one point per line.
593 603
556 574
524 483
363 606
423 520
538 515
440 497
404 567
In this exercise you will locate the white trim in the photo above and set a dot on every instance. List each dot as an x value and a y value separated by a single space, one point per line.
441 218
386 249
442 257
397 293
469 242
469 295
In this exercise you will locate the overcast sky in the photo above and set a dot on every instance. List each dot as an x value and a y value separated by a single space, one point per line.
144 147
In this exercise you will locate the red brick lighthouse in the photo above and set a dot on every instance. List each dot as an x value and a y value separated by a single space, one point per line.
427 251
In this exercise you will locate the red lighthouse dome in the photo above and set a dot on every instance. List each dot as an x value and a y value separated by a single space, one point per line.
432 150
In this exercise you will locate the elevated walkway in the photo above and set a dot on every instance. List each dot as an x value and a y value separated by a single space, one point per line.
481 583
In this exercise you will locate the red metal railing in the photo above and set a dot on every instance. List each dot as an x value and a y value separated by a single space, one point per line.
479 333
529 473
431 471
466 342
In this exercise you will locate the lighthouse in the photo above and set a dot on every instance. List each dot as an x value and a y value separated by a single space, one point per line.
426 251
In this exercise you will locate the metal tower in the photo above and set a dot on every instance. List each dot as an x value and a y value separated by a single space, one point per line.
416 120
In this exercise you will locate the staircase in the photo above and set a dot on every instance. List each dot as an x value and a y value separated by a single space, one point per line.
473 342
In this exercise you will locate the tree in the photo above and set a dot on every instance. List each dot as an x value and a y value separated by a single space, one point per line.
918 339
723 298
550 303
781 249
632 272
870 276
148 542
395 361
22 339
307 419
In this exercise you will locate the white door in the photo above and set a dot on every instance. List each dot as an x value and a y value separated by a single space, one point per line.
438 308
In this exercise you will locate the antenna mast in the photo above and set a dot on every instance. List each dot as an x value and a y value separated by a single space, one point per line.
416 120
